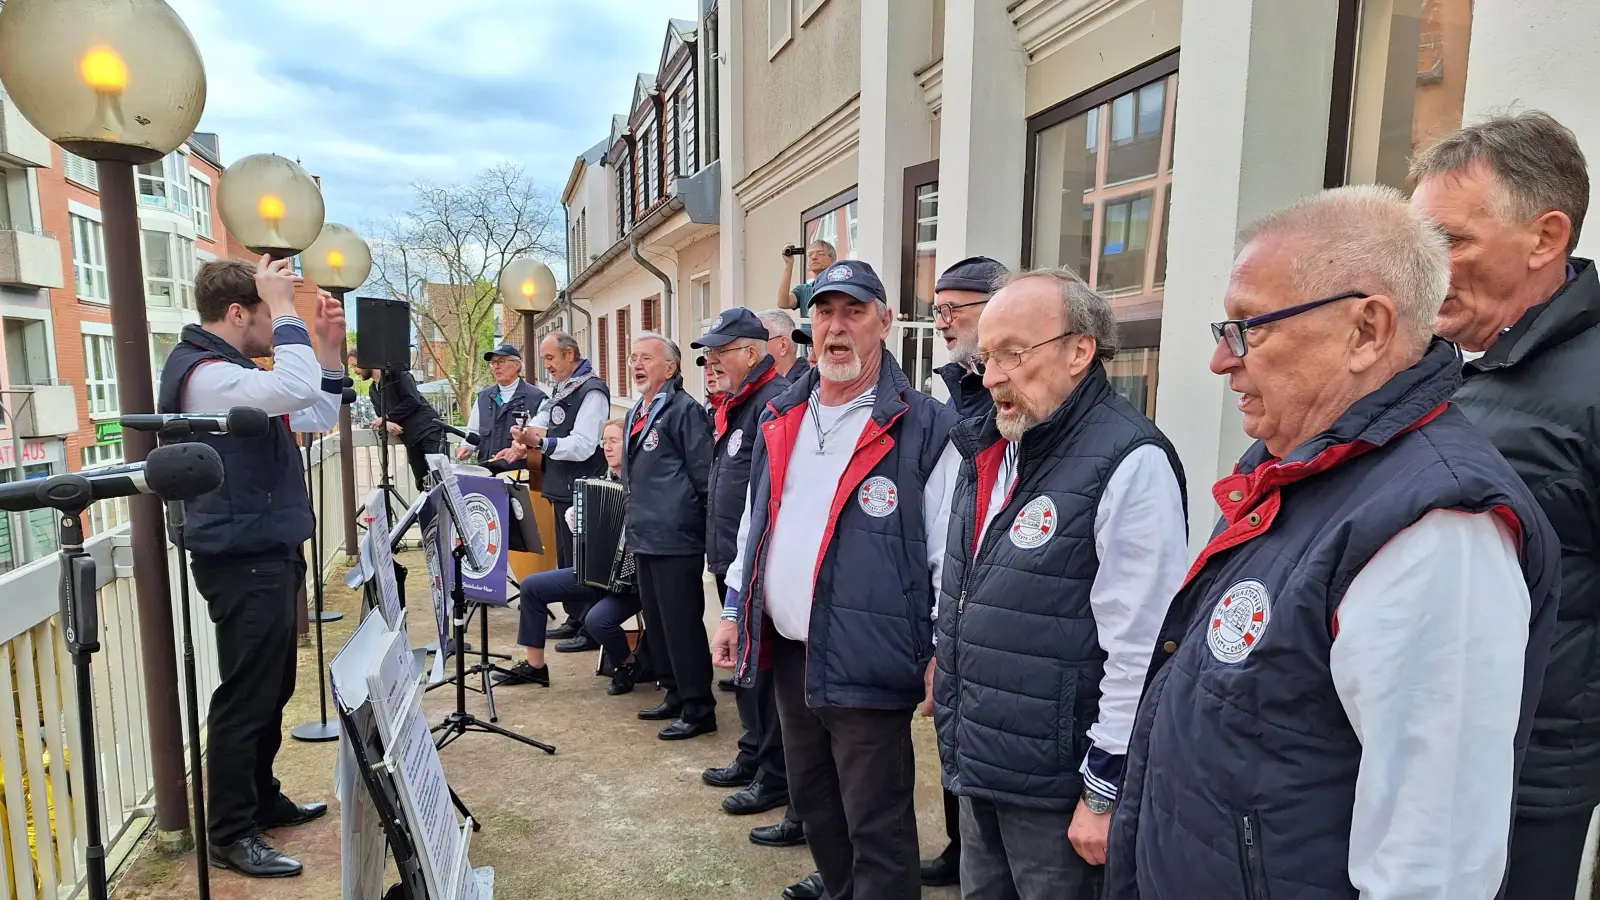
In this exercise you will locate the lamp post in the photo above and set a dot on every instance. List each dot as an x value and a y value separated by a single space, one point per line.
270 204
339 262
528 287
122 84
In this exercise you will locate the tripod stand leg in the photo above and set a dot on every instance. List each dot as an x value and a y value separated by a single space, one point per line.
461 807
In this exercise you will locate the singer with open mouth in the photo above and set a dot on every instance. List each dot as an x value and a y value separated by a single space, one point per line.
246 536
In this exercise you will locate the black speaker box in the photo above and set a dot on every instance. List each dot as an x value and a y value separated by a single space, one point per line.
383 333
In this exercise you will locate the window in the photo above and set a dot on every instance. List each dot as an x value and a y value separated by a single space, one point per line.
165 183
780 25
159 268
89 259
651 161
100 376
105 516
202 207
603 358
808 8
583 239
705 307
161 346
1409 84
80 171
624 347
688 162
835 222
36 527
919 236
650 313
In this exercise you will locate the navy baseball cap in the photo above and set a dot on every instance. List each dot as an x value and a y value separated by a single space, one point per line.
851 277
502 350
975 273
730 325
801 335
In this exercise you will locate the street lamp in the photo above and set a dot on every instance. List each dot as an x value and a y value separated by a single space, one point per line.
528 287
338 261
271 205
122 84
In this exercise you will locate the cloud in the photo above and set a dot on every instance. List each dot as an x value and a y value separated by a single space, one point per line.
373 95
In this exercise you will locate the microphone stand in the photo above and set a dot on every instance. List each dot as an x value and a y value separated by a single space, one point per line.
80 620
202 836
321 730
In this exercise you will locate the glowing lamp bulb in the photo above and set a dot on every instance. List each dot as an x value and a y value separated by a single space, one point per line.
104 70
335 259
527 287
270 207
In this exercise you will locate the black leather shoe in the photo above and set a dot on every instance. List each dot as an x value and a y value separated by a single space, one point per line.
757 798
786 833
683 729
661 712
285 813
522 673
579 644
737 775
726 684
623 678
941 871
252 857
808 888
567 629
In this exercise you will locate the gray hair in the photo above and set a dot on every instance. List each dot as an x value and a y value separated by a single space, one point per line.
832 253
740 343
777 320
1535 160
565 342
1085 311
1366 238
674 355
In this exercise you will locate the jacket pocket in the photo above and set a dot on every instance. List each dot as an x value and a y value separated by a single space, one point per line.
1070 754
1251 867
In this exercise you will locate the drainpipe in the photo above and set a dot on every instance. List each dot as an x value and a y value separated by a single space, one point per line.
666 284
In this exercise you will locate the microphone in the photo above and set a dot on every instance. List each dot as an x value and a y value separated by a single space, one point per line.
241 421
469 437
174 472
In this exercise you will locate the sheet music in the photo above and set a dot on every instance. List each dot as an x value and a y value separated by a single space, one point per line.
391 680
382 563
425 794
457 506
363 845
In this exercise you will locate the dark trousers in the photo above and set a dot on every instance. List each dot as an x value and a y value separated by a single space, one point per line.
852 778
603 619
1545 856
576 609
761 737
252 604
952 828
1016 853
674 614
417 455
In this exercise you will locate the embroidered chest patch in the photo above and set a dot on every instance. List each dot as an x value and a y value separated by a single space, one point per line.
735 441
558 415
1238 621
1035 524
652 440
878 496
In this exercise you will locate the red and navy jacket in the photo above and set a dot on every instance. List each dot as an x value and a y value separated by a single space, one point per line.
734 421
1241 771
871 633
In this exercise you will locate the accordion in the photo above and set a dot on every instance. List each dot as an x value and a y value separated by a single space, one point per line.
598 556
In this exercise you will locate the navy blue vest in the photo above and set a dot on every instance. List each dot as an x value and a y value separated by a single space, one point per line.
1018 678
730 466
871 633
1242 767
496 419
261 509
559 473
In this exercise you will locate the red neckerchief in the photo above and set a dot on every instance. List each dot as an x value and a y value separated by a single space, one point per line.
721 403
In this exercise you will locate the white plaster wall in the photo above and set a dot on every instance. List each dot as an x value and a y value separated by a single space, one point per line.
777 222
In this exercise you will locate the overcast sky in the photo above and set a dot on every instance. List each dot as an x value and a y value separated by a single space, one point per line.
372 95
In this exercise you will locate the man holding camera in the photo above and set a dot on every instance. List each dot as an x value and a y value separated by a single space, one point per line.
819 256
246 536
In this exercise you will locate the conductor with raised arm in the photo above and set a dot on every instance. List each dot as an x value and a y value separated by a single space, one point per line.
246 536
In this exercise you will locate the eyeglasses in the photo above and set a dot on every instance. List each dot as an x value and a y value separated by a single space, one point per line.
1234 330
1010 359
947 311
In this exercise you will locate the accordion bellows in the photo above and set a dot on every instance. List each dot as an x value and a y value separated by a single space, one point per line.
601 560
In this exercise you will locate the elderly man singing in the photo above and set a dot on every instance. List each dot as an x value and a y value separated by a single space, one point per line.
1067 541
1344 686
840 549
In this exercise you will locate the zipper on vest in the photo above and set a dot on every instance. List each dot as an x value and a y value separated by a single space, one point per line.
1255 875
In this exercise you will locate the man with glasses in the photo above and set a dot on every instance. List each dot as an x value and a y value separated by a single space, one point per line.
786 355
959 297
1344 686
1067 540
500 408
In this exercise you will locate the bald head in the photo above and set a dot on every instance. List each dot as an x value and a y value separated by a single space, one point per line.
1037 338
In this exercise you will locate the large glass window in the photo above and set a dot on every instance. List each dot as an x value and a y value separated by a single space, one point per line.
89 259
1410 82
165 183
36 528
918 258
100 376
169 267
836 225
202 207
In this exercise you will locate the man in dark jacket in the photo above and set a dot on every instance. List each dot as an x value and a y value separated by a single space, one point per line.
1343 688
736 350
787 356
1067 541
666 467
840 549
403 412
1512 193
500 408
959 297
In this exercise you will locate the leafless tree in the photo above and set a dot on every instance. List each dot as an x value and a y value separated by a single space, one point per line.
444 256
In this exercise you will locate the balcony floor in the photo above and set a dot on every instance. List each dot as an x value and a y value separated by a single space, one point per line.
614 814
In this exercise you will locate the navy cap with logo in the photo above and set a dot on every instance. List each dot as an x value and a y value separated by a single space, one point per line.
851 277
975 273
502 350
801 335
731 325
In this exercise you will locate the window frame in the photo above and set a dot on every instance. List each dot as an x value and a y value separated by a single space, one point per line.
100 373
202 206
95 237
776 40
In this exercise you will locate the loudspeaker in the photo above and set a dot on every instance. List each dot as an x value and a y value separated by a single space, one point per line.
383 333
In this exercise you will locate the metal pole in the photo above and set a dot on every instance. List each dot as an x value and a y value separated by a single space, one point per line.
530 344
347 458
130 334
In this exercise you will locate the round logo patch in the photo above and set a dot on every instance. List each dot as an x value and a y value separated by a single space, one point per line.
652 440
735 441
716 326
841 273
558 415
484 521
1238 621
1035 524
516 509
878 496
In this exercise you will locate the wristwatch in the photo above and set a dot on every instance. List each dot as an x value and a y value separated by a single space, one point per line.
1098 803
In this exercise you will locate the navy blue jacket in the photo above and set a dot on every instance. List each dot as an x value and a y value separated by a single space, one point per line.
261 509
733 421
871 629
666 464
560 473
1017 683
496 419
968 396
1241 771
